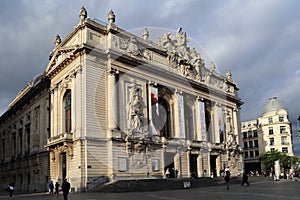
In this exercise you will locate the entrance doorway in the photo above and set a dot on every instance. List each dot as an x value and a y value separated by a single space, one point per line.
193 165
169 163
64 165
213 165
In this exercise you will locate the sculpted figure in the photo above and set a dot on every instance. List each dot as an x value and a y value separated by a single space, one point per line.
166 42
133 48
181 44
135 110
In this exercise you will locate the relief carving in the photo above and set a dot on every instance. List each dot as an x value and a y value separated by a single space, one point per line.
131 47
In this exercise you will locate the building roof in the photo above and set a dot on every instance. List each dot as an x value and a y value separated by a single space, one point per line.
272 105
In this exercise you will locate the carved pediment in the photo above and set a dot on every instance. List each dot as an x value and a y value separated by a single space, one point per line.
61 55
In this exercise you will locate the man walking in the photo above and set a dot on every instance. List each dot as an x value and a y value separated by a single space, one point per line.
65 189
51 187
245 179
227 177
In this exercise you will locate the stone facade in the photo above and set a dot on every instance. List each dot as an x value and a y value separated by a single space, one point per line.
124 107
24 129
272 131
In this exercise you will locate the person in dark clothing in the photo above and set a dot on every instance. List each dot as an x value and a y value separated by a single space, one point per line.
51 187
10 189
57 188
65 189
227 178
245 179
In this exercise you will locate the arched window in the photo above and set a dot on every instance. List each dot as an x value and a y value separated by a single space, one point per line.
161 118
67 109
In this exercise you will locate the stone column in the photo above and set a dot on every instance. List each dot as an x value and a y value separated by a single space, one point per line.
188 153
163 150
112 99
218 165
215 124
200 164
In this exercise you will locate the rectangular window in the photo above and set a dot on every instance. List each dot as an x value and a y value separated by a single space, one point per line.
250 144
270 130
272 149
285 150
68 120
270 120
27 133
282 129
284 140
256 153
251 154
281 119
250 134
254 133
244 135
255 143
246 154
272 141
245 145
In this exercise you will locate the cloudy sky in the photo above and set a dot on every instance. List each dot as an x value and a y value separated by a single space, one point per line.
258 40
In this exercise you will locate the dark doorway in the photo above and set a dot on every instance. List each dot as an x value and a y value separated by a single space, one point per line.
193 165
213 165
64 165
169 163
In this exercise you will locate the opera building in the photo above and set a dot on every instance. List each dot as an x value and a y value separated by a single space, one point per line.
111 105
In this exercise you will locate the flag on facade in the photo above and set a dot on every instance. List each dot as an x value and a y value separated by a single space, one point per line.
155 111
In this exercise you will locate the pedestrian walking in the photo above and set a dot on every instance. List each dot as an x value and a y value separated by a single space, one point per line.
10 189
57 188
227 177
245 179
65 189
51 187
168 173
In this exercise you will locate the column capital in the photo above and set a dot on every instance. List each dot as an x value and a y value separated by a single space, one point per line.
113 71
152 83
200 98
178 92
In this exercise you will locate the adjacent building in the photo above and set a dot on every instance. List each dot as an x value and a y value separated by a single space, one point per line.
119 106
24 130
272 131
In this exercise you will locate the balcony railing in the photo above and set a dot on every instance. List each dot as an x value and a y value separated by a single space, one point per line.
61 138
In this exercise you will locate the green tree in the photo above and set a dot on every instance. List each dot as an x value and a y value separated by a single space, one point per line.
268 159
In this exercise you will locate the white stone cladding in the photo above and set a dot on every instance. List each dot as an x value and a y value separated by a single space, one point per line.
101 107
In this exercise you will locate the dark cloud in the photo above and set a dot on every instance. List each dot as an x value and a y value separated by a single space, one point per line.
257 40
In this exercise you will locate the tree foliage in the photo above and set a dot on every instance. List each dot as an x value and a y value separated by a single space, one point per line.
268 159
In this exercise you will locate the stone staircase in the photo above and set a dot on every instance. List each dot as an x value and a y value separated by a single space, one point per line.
143 185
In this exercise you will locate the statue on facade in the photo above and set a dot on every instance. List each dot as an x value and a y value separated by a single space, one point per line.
82 14
133 48
145 34
111 20
57 40
135 110
229 130
181 44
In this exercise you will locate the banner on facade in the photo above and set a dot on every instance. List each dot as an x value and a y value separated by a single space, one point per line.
221 124
155 121
181 123
202 121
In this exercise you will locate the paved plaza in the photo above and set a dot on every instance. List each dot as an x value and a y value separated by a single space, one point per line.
262 190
